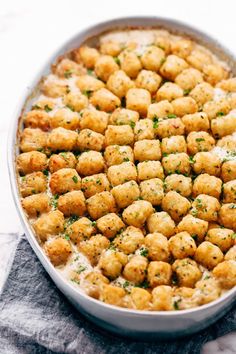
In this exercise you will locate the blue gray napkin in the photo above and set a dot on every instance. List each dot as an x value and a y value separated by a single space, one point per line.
35 318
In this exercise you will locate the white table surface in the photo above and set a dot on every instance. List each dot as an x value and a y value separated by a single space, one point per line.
30 31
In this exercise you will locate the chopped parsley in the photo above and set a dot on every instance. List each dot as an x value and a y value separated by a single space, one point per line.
144 285
72 219
117 60
70 107
93 223
143 252
232 206
125 159
233 236
45 172
87 93
47 108
186 92
36 106
220 114
191 159
132 124
75 179
155 122
54 201
81 269
67 237
170 115
68 74
198 140
176 304
194 236
89 72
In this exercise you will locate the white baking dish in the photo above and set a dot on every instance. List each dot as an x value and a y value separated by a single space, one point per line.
132 323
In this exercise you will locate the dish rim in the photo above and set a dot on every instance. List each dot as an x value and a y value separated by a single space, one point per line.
84 35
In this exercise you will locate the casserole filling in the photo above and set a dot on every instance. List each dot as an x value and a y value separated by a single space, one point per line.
127 170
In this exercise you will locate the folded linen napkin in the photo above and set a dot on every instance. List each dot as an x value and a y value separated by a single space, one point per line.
36 318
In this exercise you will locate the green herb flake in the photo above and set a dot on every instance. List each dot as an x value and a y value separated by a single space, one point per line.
45 172
70 107
198 140
132 124
36 106
171 116
117 60
143 252
68 74
75 179
155 122
232 206
93 223
220 114
233 236
195 237
87 93
47 108
67 237
186 92
176 304
81 269
54 201
89 72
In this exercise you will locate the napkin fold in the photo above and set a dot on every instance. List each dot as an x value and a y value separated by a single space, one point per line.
36 318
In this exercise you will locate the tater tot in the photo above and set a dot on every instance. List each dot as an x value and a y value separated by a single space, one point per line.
67 68
215 108
122 173
137 213
169 91
37 119
176 163
101 204
65 118
207 162
49 224
164 128
88 84
159 110
208 290
228 170
33 139
231 254
184 105
104 100
119 135
141 298
123 116
75 101
64 180
161 222
94 120
33 183
94 184
81 230
116 154
202 93
147 150
109 225
228 85
126 193
32 161
150 169
62 139
162 298
208 255
199 141
129 240
62 160
213 73
111 47
182 47
229 192
225 273
119 83
148 80
138 100
54 87
136 268
112 263
157 247
198 57
196 122
152 191
224 125
221 238
182 245
58 251
187 272
172 66
153 58
205 207
178 183
72 203
90 162
105 66
144 129
206 184
227 142
227 215
173 144
112 295
94 247
89 140
196 227
159 273
130 63
88 56
36 204
189 78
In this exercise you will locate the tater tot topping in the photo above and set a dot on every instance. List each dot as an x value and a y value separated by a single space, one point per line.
127 170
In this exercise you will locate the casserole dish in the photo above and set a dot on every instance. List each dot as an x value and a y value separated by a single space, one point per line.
131 323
